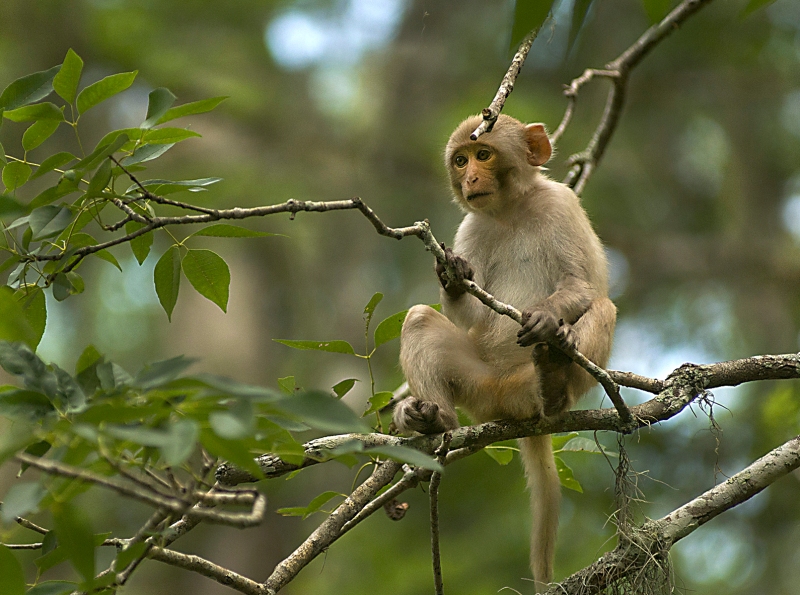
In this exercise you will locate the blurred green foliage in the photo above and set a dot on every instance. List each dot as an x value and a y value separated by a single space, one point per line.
698 200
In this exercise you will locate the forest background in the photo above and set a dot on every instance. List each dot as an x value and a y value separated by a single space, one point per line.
697 200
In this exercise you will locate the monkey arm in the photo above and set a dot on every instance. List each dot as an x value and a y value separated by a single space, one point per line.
569 301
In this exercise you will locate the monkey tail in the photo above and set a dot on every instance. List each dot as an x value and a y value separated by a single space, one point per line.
543 483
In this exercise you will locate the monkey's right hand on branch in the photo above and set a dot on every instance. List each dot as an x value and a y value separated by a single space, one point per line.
419 416
454 287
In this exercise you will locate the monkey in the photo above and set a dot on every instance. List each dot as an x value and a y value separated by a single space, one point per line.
526 240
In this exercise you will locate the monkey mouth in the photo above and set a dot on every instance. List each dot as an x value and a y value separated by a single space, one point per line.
474 195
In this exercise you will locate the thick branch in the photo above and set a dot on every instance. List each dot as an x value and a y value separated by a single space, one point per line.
651 541
331 529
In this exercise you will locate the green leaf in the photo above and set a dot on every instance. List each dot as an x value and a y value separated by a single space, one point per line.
28 89
79 240
24 404
236 423
21 499
287 385
101 151
66 81
10 208
13 579
53 588
88 358
501 454
581 444
75 535
64 187
159 101
223 230
163 187
167 279
181 443
369 309
100 179
559 441
53 162
389 328
566 477
751 7
35 112
146 153
140 245
528 15
332 346
314 506
378 401
189 109
15 174
14 325
160 373
37 449
161 136
48 221
344 387
103 89
38 132
579 10
322 411
209 275
34 308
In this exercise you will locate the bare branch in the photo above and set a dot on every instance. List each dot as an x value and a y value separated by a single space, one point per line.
331 529
652 540
433 495
491 113
584 163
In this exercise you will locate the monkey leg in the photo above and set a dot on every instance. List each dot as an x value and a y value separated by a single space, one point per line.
553 368
442 366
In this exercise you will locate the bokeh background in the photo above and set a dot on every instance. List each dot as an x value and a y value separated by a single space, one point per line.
697 200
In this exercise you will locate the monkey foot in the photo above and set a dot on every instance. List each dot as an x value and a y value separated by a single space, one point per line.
419 416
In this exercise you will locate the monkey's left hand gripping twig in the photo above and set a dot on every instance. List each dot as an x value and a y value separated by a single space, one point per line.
598 373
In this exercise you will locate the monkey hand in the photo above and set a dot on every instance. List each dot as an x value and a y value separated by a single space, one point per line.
460 267
539 326
419 416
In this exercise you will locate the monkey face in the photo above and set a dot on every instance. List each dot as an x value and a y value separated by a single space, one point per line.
474 175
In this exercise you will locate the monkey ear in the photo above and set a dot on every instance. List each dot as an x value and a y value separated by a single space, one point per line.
539 148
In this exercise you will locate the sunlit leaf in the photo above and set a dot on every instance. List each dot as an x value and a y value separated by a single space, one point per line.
167 279
287 385
209 275
503 455
188 109
559 441
332 346
103 89
159 101
66 81
34 308
164 187
369 309
14 324
102 151
28 89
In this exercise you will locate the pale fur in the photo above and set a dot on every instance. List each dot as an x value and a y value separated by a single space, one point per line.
530 244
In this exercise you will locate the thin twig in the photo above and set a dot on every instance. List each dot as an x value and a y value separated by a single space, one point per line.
492 112
433 495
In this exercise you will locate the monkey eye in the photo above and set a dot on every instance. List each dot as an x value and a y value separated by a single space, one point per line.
484 154
460 160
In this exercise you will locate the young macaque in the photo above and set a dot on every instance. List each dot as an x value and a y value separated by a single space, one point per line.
527 241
